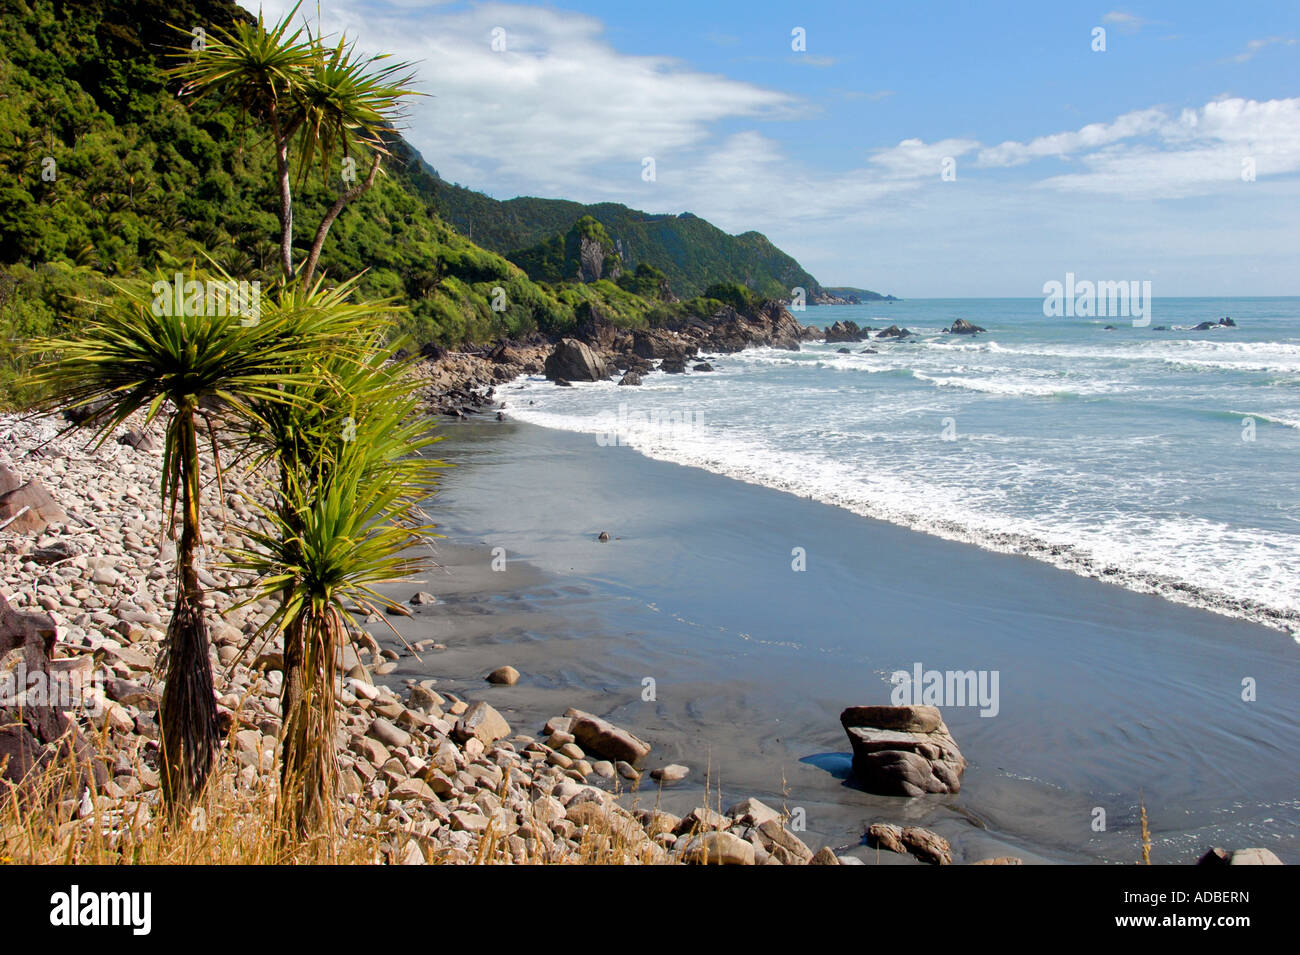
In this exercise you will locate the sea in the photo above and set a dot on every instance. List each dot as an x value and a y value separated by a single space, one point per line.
1156 456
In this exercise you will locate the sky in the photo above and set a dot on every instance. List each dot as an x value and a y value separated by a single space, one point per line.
926 150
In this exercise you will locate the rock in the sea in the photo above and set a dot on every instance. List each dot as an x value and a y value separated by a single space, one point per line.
702 366
673 366
893 331
845 332
963 327
572 360
603 537
631 378
903 750
603 738
30 509
504 676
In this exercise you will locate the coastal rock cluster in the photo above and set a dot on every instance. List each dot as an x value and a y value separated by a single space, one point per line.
463 382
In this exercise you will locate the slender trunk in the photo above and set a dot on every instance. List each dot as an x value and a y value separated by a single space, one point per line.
286 194
309 766
188 710
325 223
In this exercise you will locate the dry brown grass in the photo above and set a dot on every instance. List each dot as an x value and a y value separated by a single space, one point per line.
52 819
1146 833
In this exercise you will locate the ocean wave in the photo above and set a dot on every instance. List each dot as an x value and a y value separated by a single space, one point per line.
1016 389
1272 418
1243 572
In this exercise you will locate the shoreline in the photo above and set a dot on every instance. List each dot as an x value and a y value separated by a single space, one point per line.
802 766
426 776
483 374
742 678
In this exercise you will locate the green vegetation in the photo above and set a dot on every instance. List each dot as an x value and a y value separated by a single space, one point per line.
175 364
106 174
690 251
309 376
118 157
561 259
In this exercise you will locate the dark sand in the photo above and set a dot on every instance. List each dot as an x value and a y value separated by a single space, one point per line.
1104 693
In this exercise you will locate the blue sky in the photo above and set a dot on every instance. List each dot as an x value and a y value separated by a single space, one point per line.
1123 164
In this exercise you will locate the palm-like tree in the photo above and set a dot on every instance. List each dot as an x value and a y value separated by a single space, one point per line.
352 477
259 69
174 365
327 98
348 105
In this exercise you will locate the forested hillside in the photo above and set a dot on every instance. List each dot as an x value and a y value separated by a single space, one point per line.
109 173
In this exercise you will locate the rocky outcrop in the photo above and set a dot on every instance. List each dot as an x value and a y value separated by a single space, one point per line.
770 325
902 750
572 360
845 332
631 378
591 261
660 343
963 327
893 331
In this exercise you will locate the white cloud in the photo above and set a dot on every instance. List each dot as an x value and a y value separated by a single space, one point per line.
1138 123
1254 46
558 103
563 113
1126 22
1196 152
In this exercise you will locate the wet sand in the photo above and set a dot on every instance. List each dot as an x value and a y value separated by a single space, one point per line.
1106 696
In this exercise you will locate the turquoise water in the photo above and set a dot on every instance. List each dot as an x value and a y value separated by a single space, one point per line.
1163 460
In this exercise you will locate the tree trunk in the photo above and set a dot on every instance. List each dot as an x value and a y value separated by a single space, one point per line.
286 194
309 766
188 710
333 214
